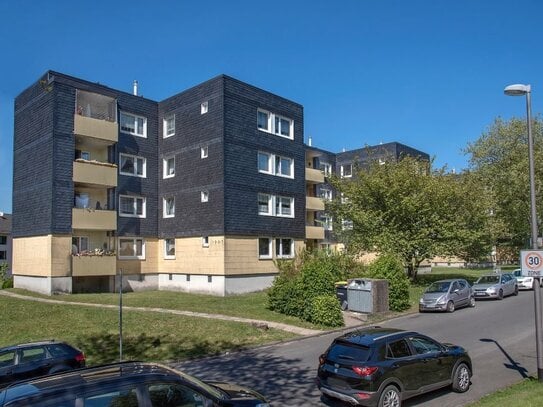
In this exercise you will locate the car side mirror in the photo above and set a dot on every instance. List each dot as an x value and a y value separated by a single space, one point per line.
456 291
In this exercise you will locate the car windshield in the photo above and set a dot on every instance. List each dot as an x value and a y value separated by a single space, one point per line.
488 280
439 287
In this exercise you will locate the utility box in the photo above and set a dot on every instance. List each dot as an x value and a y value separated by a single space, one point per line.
341 294
367 295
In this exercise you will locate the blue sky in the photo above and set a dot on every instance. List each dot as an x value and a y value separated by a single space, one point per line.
427 73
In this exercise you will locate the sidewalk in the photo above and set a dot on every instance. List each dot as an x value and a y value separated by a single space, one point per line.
351 319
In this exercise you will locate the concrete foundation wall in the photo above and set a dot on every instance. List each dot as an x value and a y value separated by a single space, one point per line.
247 284
196 283
43 285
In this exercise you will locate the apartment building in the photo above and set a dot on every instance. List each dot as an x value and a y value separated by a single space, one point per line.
5 239
199 192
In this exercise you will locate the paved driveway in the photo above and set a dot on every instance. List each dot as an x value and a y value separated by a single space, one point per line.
499 335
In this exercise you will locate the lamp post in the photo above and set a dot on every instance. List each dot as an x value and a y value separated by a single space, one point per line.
521 90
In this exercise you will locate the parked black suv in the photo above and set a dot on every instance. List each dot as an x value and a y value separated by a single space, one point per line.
383 366
24 361
127 384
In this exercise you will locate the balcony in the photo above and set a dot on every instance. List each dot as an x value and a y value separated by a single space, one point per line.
93 219
99 129
83 266
314 176
95 173
314 232
314 204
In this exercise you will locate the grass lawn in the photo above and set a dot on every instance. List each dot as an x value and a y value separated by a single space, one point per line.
146 336
528 393
252 305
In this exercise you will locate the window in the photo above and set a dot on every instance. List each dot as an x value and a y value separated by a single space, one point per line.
284 206
263 120
424 345
209 279
272 205
168 167
7 358
131 206
188 277
205 241
85 155
326 194
3 239
282 166
131 248
132 165
264 248
168 210
398 349
275 124
326 221
264 162
204 152
347 224
132 124
79 244
204 196
3 255
169 249
326 169
347 170
169 126
204 107
284 248
174 395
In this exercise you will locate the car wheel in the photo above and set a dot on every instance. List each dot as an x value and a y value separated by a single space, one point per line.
472 302
450 306
500 295
516 291
390 397
461 378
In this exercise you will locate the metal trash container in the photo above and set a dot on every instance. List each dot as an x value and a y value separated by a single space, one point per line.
341 294
367 295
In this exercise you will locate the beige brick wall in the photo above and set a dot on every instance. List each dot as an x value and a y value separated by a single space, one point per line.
44 256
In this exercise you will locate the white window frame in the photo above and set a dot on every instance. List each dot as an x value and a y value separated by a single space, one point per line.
165 173
327 222
326 168
134 204
135 159
347 224
134 247
273 168
274 124
166 255
269 169
204 107
204 196
326 194
269 197
343 168
165 131
79 243
270 248
278 200
273 201
204 152
279 248
165 213
135 119
205 241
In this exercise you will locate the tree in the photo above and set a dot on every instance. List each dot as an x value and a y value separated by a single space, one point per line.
500 158
405 208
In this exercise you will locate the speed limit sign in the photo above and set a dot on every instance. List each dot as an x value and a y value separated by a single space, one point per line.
531 262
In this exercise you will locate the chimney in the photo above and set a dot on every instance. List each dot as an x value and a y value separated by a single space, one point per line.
135 88
309 141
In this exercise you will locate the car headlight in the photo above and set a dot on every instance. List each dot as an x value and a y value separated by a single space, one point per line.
441 300
491 290
421 301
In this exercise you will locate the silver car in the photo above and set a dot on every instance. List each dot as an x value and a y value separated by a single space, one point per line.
496 285
447 295
525 282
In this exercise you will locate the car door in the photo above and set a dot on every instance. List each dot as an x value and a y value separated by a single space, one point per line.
456 294
7 363
433 365
31 362
403 365
464 291
175 395
508 284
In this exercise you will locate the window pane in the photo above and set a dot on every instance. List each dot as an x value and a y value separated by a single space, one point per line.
285 127
286 247
264 247
127 205
126 247
127 164
263 203
139 247
3 239
284 166
262 120
139 166
139 206
170 247
127 123
263 162
140 125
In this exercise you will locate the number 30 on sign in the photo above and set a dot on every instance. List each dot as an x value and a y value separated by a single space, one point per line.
531 262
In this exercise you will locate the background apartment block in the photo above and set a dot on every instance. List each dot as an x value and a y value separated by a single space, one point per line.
5 239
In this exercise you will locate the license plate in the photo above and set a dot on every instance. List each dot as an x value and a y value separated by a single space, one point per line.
480 294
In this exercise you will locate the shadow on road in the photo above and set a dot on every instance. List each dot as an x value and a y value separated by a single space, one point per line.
512 364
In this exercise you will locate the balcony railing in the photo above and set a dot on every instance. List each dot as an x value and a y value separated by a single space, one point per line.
314 176
95 173
94 266
93 219
313 203
314 232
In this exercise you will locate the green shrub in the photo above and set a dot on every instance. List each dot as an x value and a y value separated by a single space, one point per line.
326 311
5 280
390 268
7 283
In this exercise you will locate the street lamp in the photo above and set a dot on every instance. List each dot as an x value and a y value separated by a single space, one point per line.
521 90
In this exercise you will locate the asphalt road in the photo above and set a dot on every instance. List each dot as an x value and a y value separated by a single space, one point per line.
499 335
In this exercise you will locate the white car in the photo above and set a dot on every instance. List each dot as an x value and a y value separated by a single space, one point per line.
524 282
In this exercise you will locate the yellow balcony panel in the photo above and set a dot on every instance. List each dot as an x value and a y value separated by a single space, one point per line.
99 129
93 219
314 204
94 266
96 173
314 176
314 232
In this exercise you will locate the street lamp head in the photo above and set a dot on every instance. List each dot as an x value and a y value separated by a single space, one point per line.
517 90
